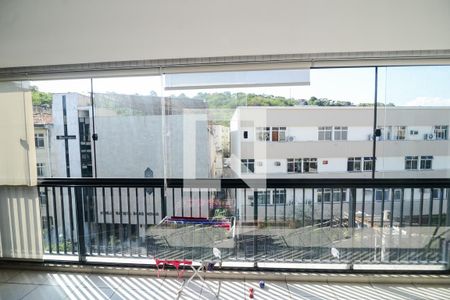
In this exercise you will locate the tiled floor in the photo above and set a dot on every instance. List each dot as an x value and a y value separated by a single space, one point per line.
16 284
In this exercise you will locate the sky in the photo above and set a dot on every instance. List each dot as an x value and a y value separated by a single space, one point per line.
403 86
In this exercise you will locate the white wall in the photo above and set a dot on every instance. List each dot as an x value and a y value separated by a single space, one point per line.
44 32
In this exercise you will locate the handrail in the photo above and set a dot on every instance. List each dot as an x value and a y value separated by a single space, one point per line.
250 183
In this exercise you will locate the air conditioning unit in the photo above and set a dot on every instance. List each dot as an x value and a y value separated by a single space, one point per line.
429 136
290 138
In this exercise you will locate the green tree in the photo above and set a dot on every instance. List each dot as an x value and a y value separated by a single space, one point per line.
41 98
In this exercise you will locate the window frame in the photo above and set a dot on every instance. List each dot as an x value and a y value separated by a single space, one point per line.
340 133
248 166
325 133
411 160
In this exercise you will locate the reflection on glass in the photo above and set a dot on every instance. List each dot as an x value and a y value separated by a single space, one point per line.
413 115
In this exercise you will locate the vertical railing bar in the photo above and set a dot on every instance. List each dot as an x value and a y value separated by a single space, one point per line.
303 207
411 208
274 206
411 212
321 207
190 200
392 208
430 208
138 236
255 223
402 205
174 203
391 221
104 226
200 202
86 199
235 204
238 215
422 191
113 220
363 207
293 207
146 221
154 206
47 208
130 244
421 206
164 203
400 230
382 209
55 212
373 208
331 207
312 208
284 208
80 223
69 192
121 222
245 205
361 242
207 202
97 236
63 218
341 212
441 200
265 207
312 226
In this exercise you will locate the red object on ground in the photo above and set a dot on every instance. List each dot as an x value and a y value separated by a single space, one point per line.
250 290
174 263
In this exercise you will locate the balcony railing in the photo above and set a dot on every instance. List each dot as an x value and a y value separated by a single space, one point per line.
348 222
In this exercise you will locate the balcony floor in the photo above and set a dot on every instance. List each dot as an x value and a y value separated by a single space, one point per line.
26 284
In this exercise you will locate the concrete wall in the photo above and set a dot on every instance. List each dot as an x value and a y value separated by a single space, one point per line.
45 32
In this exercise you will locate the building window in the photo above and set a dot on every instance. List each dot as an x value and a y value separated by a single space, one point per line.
380 196
325 133
354 164
294 165
336 195
247 165
310 165
436 194
368 164
279 197
278 134
40 169
426 162
397 195
399 132
263 197
411 162
340 133
259 163
245 134
39 140
263 133
277 164
273 134
413 132
441 132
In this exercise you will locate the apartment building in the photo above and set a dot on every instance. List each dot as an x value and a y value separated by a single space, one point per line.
337 142
319 142
42 119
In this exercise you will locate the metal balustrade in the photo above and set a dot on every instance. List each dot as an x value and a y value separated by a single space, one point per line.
337 221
